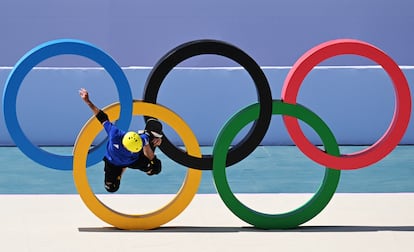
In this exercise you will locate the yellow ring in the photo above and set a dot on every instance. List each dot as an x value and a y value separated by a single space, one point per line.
138 221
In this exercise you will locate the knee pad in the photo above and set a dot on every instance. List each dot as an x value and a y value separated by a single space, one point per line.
155 167
112 187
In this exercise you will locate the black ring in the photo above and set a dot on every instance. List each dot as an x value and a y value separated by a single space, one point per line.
193 48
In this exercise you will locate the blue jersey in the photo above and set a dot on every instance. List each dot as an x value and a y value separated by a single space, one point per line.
116 153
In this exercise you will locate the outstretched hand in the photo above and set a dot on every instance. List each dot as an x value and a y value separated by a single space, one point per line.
85 97
84 94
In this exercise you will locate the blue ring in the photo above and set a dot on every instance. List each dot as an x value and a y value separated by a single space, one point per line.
26 64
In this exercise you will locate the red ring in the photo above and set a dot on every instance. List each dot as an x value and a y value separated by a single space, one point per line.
399 122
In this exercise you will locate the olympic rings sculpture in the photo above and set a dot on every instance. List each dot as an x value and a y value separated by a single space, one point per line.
223 155
36 56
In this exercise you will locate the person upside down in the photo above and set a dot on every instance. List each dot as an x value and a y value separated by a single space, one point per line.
130 149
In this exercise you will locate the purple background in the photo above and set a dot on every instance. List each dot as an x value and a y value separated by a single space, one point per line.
274 33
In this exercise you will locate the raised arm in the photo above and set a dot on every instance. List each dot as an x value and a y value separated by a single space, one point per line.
85 97
100 115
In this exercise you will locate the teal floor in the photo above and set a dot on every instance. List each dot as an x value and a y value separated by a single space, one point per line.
269 169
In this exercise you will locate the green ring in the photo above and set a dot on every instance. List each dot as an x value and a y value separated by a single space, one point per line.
295 217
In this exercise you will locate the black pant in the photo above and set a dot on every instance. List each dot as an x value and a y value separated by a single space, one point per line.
113 172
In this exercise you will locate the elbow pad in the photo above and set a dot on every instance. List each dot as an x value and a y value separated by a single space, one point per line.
102 116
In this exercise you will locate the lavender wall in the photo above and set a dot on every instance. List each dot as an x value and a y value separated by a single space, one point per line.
274 32
357 103
138 33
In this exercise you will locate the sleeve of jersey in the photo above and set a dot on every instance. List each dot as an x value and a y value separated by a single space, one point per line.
107 126
111 129
145 139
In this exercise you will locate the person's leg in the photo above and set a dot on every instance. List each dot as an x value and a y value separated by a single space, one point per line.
113 176
142 164
147 166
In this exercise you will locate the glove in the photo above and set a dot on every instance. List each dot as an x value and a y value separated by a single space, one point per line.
154 166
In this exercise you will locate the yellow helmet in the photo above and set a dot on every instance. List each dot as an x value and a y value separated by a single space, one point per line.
132 141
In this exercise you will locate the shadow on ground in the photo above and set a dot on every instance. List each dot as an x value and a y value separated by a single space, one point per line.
310 229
